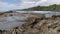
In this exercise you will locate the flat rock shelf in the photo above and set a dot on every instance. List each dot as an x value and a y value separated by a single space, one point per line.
10 23
30 23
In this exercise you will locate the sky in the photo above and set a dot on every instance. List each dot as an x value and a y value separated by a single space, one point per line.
22 4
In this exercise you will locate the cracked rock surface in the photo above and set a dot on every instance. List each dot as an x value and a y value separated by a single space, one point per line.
50 25
37 25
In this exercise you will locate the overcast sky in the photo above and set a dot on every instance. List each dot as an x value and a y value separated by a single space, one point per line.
21 4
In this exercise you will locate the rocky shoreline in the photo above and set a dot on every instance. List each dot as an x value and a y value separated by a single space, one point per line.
37 24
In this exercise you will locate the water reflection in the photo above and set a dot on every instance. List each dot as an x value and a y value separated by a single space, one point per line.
11 22
47 13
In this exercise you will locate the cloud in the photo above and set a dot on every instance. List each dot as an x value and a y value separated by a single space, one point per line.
5 6
50 2
26 4
31 3
23 4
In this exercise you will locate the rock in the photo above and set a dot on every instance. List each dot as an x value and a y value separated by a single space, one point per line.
44 26
37 24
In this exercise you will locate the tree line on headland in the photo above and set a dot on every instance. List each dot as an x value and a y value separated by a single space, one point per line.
44 8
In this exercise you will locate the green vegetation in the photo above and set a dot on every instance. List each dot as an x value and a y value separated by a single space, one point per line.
44 8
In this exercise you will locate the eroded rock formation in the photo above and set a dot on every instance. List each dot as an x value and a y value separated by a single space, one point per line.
37 24
50 25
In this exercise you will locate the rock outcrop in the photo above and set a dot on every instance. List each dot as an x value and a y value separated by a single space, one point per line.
50 25
37 24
